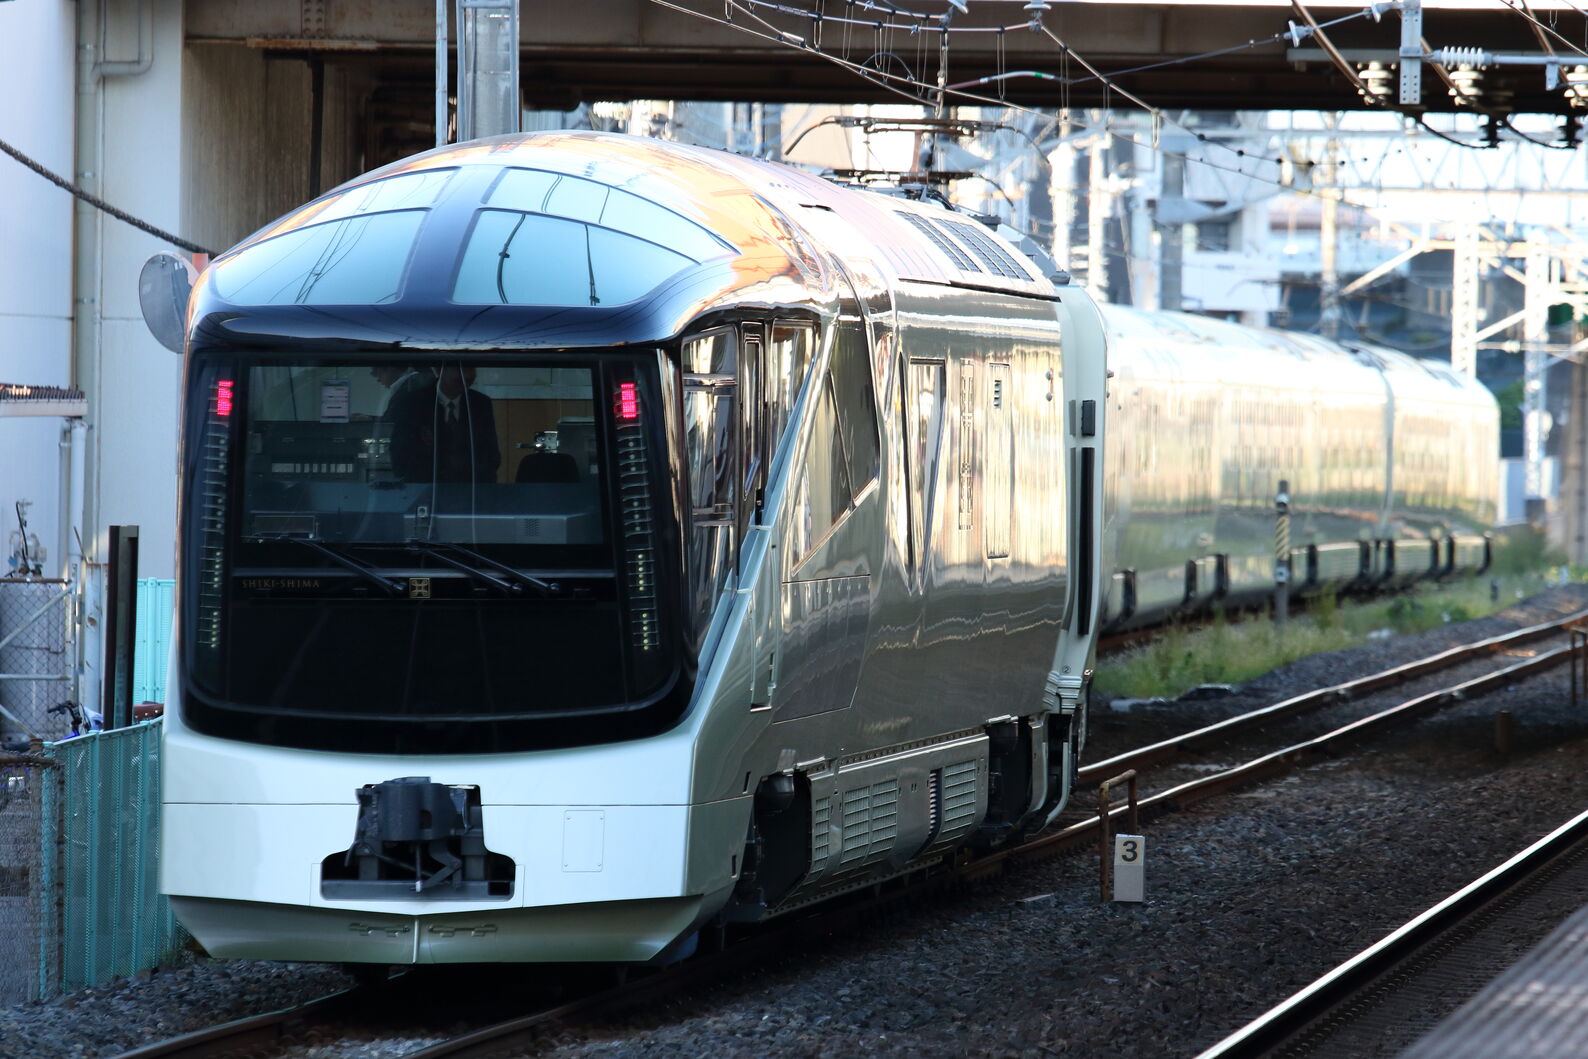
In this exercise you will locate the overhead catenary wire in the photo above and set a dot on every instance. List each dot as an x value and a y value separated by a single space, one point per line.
99 203
1541 28
892 83
883 80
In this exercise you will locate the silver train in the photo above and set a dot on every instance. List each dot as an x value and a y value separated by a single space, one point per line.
589 541
1390 466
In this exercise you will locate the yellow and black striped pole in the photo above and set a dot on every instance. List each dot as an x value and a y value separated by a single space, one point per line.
1282 553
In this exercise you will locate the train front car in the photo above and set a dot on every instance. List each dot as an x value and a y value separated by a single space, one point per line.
588 539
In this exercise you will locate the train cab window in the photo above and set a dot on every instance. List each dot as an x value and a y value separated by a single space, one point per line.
439 450
360 259
490 517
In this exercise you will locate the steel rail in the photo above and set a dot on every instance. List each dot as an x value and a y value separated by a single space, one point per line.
251 1032
1287 1019
494 1039
1165 750
1273 764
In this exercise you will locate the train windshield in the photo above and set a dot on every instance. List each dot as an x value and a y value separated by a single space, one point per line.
428 553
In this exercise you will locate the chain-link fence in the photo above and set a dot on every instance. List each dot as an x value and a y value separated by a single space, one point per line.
80 902
35 672
25 901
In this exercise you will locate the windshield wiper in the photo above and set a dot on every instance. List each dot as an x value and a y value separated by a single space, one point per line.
444 551
390 587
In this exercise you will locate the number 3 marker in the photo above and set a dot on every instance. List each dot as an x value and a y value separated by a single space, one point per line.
1130 868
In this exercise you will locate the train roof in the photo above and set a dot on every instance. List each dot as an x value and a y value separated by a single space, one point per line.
596 224
1201 349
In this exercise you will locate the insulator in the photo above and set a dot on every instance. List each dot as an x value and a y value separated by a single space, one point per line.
1375 78
1465 82
1576 89
1473 58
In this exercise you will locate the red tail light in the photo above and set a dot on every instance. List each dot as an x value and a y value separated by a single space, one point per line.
223 397
628 404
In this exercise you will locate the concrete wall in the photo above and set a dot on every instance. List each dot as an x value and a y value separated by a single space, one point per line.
134 388
36 85
246 121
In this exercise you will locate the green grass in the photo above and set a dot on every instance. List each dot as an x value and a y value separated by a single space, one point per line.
1233 652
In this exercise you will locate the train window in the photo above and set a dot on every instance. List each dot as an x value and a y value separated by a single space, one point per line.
558 195
711 433
926 426
1000 462
856 400
753 404
407 192
468 452
356 260
789 360
530 259
824 482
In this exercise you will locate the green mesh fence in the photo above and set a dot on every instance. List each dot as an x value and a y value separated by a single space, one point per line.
82 898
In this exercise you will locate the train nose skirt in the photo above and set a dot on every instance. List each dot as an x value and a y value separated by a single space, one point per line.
600 931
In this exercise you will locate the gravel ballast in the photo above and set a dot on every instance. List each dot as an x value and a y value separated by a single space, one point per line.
1249 898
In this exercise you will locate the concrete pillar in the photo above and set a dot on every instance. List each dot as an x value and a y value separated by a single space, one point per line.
37 42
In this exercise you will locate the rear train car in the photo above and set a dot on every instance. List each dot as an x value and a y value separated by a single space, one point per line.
588 541
1391 465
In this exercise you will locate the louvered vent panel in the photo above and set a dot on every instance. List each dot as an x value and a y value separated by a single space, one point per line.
870 823
821 815
951 250
998 260
959 798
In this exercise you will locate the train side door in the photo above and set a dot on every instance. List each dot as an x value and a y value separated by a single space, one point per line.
825 609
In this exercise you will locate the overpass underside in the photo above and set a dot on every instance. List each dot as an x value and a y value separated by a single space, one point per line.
632 49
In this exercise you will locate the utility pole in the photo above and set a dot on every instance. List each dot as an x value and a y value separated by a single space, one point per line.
488 101
1140 261
1098 207
1171 292
1329 244
1535 333
1061 191
1464 302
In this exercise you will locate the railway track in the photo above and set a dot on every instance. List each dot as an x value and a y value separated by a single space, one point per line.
1386 996
255 1034
265 1034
